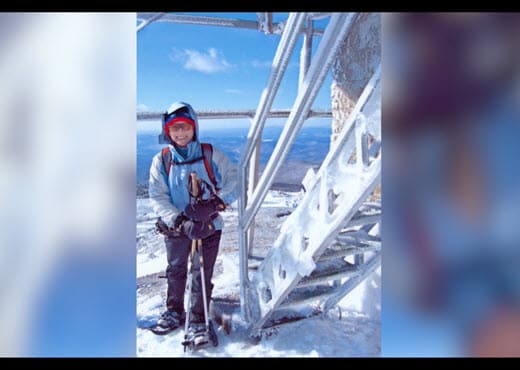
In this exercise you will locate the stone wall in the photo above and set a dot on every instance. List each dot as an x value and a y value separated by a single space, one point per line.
357 59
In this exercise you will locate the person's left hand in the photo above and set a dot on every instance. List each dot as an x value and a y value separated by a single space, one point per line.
198 229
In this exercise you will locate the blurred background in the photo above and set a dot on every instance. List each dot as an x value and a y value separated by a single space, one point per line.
67 184
451 184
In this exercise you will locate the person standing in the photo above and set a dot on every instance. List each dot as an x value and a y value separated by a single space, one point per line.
170 198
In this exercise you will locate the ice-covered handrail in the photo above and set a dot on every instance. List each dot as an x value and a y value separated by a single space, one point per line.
334 35
337 29
280 62
277 28
234 114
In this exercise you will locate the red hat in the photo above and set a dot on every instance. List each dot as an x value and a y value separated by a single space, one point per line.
177 117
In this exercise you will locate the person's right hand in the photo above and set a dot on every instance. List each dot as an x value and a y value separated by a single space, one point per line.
206 210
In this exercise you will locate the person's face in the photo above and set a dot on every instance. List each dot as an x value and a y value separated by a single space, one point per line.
181 133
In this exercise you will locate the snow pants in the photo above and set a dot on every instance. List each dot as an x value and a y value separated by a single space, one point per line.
178 251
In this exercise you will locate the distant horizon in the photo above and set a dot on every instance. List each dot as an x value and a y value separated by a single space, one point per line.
310 146
240 123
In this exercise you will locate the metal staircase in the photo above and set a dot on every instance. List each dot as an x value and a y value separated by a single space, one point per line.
331 242
309 262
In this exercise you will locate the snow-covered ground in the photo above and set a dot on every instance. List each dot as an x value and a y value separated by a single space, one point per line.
352 329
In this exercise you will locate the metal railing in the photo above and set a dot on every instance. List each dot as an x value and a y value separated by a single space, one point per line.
280 62
263 25
334 35
235 114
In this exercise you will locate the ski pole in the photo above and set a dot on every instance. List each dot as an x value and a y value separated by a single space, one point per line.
203 280
195 193
190 284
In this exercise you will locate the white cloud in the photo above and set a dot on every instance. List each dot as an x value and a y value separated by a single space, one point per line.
212 61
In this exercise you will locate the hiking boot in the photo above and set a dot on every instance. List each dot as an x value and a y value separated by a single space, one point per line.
197 334
170 320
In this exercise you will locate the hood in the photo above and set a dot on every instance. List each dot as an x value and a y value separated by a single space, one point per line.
164 138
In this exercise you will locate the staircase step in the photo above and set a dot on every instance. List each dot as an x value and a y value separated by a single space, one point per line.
373 206
254 262
319 277
367 268
303 297
364 218
341 251
357 238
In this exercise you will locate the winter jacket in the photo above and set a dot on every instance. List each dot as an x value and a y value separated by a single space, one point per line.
169 195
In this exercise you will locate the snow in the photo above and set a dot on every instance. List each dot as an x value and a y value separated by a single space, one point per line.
350 329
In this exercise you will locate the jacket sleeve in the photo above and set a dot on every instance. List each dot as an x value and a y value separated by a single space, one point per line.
159 192
228 176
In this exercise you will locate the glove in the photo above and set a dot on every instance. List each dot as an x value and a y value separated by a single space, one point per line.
162 228
179 220
205 210
198 229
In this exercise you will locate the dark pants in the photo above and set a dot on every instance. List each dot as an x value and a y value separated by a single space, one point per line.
178 251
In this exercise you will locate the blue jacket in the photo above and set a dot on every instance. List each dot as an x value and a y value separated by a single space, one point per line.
169 195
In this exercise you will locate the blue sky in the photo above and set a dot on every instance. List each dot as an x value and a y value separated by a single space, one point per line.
215 67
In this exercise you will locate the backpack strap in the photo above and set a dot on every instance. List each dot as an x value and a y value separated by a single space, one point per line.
167 160
207 154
